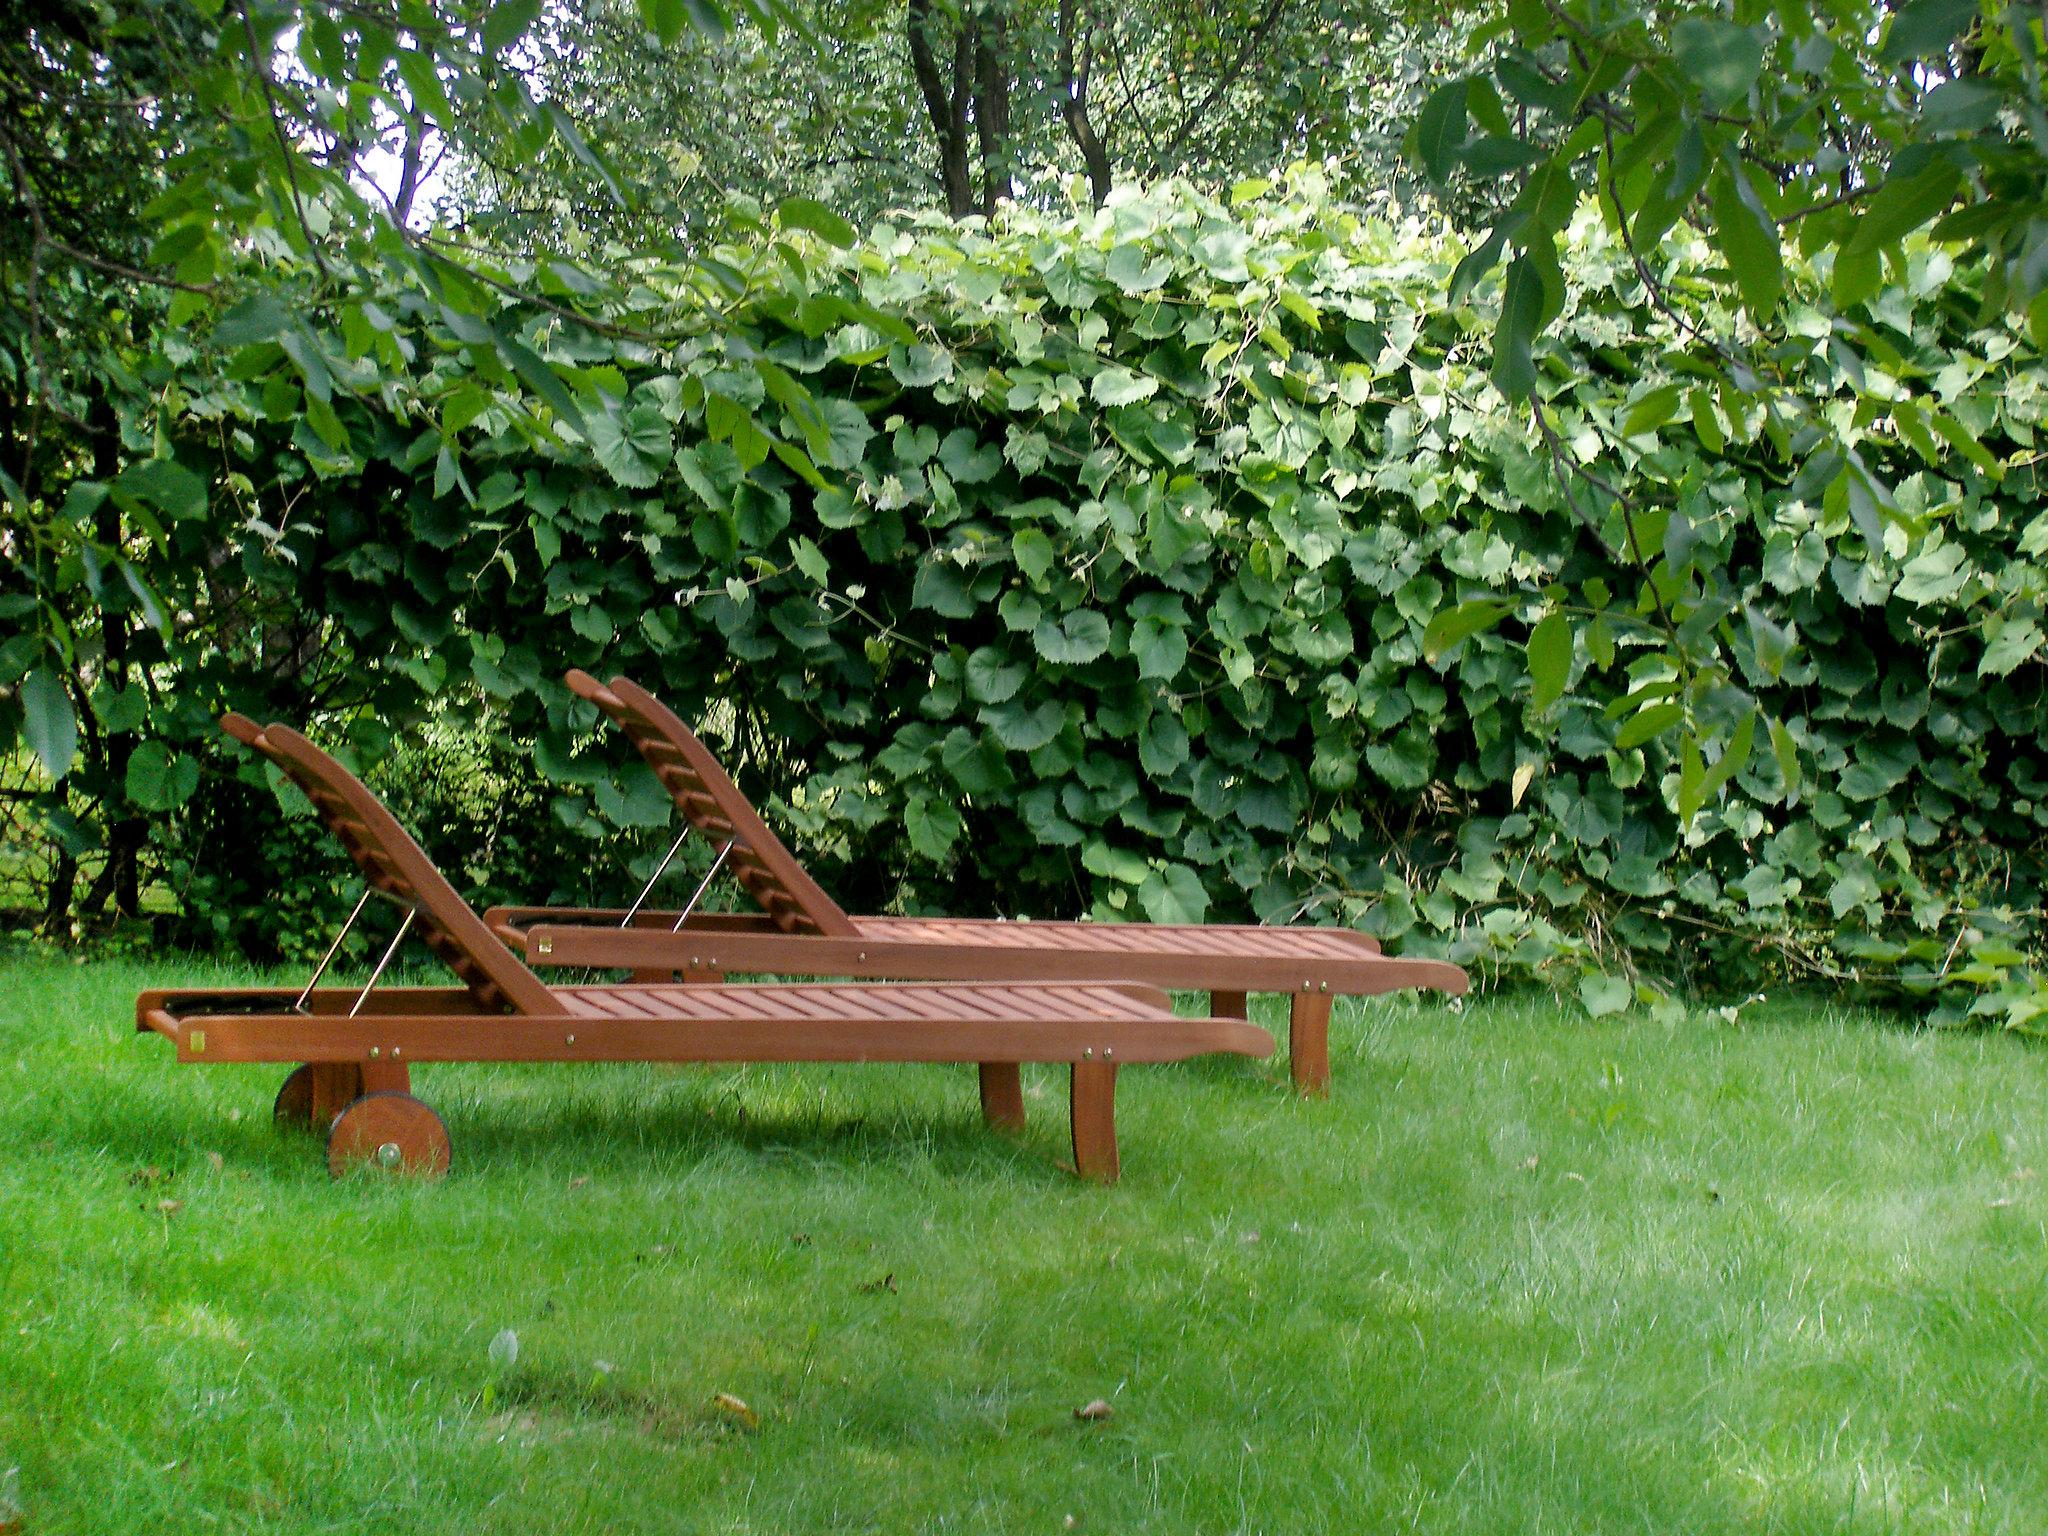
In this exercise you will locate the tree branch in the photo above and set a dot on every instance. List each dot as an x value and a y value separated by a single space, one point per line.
261 65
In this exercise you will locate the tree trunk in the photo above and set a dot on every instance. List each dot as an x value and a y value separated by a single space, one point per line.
126 833
1074 77
57 899
410 162
992 105
946 100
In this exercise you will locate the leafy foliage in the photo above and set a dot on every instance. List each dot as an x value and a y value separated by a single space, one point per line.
1005 97
1179 560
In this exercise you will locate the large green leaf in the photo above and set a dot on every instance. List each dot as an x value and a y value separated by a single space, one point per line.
1648 723
166 485
1461 623
1550 659
1722 59
506 22
1173 895
158 779
808 213
933 826
633 446
1922 27
1521 315
48 724
1159 637
1119 386
1440 128
1902 204
847 431
992 678
1748 240
1078 637
1025 729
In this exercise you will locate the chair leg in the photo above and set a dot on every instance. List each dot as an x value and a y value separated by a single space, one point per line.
1308 1043
1093 1109
336 1085
312 1095
386 1077
1229 1005
1002 1095
654 974
706 978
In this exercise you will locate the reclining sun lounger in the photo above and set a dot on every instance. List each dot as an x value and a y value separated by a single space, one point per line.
801 931
359 1046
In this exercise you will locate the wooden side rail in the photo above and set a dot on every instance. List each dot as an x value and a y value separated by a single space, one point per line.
425 1037
740 950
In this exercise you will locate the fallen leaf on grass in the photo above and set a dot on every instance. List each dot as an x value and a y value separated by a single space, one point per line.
148 1178
169 1207
216 1161
886 1283
579 1182
1094 1412
736 1410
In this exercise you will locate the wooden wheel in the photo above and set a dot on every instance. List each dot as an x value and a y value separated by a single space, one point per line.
315 1093
389 1132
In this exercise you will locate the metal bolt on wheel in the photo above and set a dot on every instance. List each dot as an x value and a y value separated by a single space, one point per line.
391 1133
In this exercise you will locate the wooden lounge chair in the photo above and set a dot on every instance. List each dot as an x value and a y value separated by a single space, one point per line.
800 931
360 1045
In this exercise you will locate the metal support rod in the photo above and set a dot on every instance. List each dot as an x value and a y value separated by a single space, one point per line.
702 886
334 948
648 889
397 939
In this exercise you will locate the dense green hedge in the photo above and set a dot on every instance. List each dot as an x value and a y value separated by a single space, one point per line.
1116 593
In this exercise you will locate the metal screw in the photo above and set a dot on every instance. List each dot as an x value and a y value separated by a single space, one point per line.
374 1053
1306 985
696 962
1107 1053
863 954
390 1155
572 1039
394 1053
1326 986
1088 1053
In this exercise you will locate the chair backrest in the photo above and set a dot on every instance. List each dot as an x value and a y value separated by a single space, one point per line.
715 808
392 862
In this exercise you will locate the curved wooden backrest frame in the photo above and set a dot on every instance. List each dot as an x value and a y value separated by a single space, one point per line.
715 808
392 862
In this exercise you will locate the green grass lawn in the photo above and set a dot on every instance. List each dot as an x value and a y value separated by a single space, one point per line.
1522 1273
